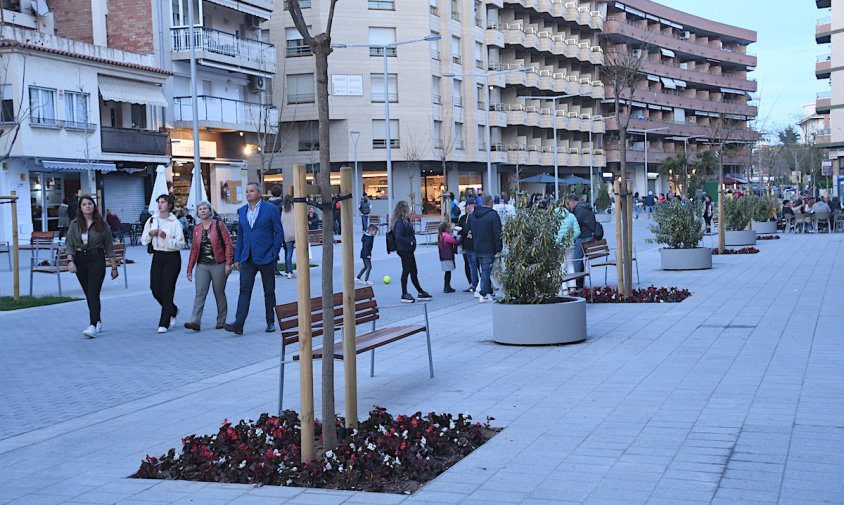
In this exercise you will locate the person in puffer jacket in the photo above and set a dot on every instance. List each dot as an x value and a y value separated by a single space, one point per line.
405 248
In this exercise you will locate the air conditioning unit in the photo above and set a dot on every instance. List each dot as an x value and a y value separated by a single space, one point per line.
257 83
253 21
685 35
637 53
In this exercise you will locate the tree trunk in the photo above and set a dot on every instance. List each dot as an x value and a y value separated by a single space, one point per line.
626 235
329 432
721 223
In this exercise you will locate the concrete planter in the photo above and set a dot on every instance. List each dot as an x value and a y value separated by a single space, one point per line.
765 227
739 238
540 324
697 258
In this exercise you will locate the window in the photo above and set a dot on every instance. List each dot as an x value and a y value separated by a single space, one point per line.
295 43
309 136
139 115
42 106
437 137
179 13
377 91
379 133
479 17
458 135
7 112
455 10
434 9
381 37
435 47
479 88
436 87
456 95
382 5
481 138
304 4
479 55
300 88
455 50
76 109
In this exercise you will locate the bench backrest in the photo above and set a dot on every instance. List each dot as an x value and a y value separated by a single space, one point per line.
366 310
595 249
42 238
119 252
375 219
432 226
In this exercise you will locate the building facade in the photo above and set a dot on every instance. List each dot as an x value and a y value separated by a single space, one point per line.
696 91
830 104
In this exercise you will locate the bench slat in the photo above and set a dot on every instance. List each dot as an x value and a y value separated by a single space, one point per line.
372 340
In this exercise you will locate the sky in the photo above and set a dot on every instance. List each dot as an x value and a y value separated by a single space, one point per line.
785 48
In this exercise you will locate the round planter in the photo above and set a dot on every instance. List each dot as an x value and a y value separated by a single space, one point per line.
765 227
739 238
698 258
540 324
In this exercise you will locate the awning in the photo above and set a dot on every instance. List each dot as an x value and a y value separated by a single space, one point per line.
78 166
666 52
125 90
668 83
653 78
243 7
680 83
733 91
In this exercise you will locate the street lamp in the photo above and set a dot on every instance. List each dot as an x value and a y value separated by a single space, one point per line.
355 135
646 131
554 126
592 159
487 128
384 51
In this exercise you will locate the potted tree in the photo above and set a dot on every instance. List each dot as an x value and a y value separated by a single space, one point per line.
737 215
530 272
764 219
603 203
679 226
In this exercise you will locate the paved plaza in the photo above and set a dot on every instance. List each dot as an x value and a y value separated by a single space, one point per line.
735 396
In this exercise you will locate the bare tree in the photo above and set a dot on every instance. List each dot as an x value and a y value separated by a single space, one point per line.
14 112
622 71
724 135
413 151
320 45
442 148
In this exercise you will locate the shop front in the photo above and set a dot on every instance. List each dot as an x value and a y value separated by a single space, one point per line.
56 183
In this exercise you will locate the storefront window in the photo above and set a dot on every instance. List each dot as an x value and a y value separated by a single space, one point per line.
375 184
474 181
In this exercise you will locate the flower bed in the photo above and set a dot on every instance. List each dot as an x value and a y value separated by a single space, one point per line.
652 294
768 237
386 454
743 250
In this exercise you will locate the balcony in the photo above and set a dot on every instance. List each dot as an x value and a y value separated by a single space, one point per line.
688 129
636 154
823 4
621 26
823 102
823 30
674 71
237 53
133 141
823 137
823 66
676 98
226 114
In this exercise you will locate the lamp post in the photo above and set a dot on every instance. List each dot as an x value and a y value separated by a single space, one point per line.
384 51
646 131
554 100
592 160
487 127
355 135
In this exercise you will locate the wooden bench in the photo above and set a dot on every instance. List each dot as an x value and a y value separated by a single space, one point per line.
315 237
597 254
376 220
431 228
56 264
366 311
120 259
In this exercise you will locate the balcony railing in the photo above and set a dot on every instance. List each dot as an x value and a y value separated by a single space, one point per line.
253 53
382 143
133 141
824 94
382 5
379 51
224 110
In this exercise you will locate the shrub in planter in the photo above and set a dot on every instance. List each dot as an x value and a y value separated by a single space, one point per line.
679 226
764 215
737 215
602 200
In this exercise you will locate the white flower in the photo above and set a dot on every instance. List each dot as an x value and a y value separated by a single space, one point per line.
397 461
328 466
423 441
404 435
259 432
289 481
386 459
242 464
276 453
329 454
370 446
352 446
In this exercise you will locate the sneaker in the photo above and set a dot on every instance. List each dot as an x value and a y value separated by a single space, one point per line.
368 283
358 280
162 329
90 332
478 293
425 297
406 298
99 327
486 299
448 290
289 275
470 289
173 320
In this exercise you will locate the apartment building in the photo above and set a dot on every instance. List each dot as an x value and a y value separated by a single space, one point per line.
697 89
78 115
439 112
830 104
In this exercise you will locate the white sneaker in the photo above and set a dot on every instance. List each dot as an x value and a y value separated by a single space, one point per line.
90 332
358 280
486 299
368 283
478 293
99 327
290 275
162 329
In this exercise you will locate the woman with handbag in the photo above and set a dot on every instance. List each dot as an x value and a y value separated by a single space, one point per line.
164 237
212 253
405 247
89 242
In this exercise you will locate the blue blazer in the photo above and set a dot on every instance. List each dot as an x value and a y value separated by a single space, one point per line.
262 241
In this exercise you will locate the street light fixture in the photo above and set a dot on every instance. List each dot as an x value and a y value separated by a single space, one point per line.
487 128
554 126
384 50
355 135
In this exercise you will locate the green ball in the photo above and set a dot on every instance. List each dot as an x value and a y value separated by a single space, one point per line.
387 279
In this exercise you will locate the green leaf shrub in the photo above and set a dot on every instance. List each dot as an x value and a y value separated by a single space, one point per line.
737 212
763 208
678 225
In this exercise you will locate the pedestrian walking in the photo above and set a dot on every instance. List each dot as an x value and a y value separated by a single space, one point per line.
365 209
650 202
288 224
405 248
167 237
467 246
89 243
454 209
212 254
447 245
486 233
259 240
586 220
568 226
367 241
708 212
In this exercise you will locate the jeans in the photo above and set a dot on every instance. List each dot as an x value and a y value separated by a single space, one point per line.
90 271
205 276
578 256
162 282
248 272
485 262
367 268
288 256
471 265
408 268
364 221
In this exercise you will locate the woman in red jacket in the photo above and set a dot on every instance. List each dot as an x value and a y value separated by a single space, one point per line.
211 253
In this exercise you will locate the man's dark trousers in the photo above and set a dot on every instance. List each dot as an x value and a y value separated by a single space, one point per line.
248 271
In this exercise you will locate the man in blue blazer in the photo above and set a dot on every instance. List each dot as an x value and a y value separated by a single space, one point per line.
259 239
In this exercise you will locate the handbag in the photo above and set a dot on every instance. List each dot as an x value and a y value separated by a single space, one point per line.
391 241
150 249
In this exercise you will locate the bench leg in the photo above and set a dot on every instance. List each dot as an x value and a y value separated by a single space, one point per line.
281 380
428 338
59 278
30 277
125 277
372 363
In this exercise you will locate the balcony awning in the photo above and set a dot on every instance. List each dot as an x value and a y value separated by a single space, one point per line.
668 83
652 77
680 83
125 90
78 166
734 91
243 7
666 52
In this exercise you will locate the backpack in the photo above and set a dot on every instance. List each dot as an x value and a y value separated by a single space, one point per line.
391 241
364 208
455 210
598 232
